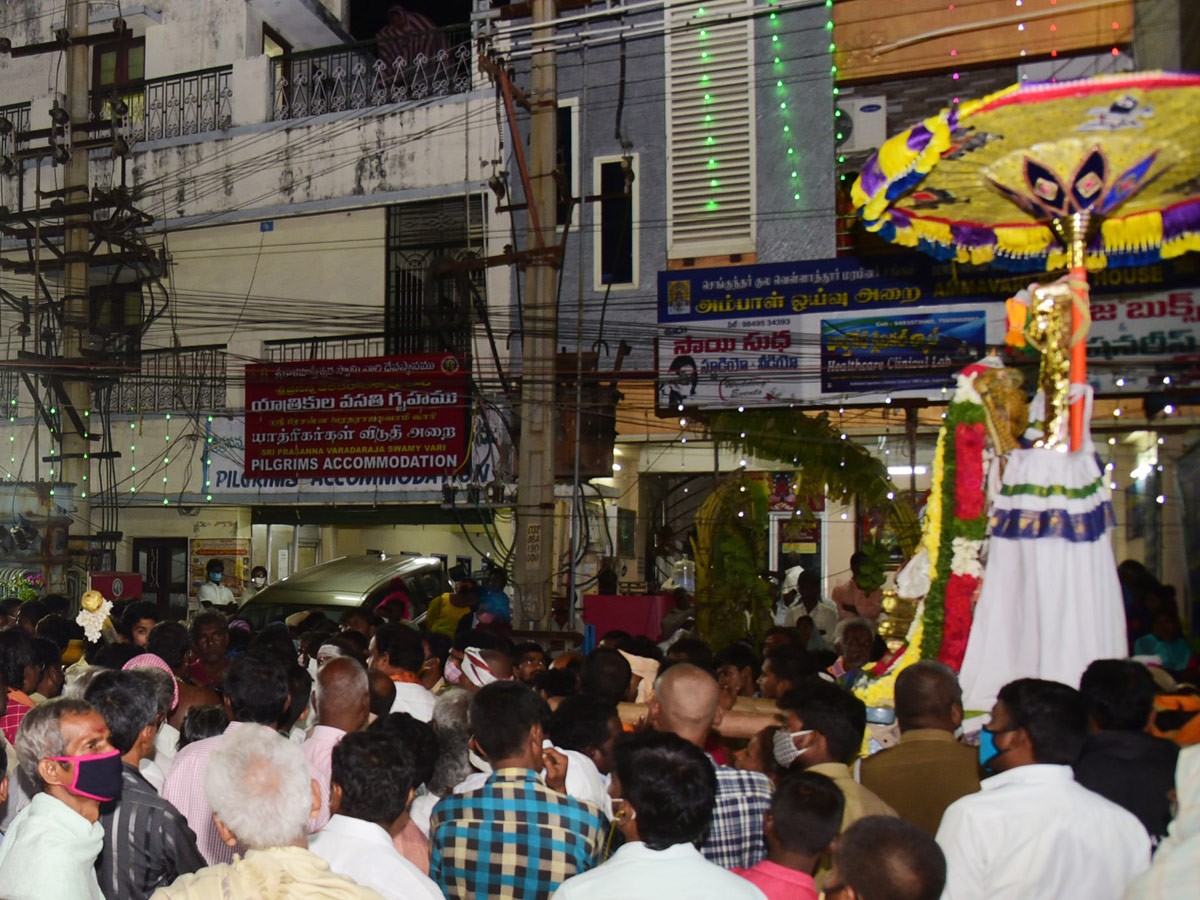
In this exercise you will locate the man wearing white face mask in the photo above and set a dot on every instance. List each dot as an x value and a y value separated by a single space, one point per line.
258 581
823 732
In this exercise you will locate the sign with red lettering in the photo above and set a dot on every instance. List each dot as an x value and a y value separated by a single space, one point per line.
385 416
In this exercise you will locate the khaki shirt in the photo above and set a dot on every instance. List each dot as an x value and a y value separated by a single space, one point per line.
921 776
860 803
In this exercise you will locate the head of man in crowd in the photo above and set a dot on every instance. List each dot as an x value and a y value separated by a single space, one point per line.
383 692
258 787
606 675
928 696
343 694
359 620
531 660
1033 721
21 671
128 702
686 703
1118 695
210 637
396 650
692 650
783 669
170 642
805 817
215 570
506 721
884 858
64 750
30 613
668 787
854 639
823 724
48 659
588 725
782 636
373 778
138 621
453 762
256 689
737 671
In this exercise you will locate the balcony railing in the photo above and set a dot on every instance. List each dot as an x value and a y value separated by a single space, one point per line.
342 346
418 66
190 103
191 379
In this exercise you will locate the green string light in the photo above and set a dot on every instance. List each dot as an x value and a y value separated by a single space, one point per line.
781 89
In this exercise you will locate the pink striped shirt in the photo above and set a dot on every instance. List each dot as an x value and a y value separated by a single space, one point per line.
184 788
318 750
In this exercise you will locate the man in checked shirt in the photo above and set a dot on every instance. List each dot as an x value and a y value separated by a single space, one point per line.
685 703
517 836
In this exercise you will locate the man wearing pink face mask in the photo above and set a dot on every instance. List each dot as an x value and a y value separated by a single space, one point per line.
50 850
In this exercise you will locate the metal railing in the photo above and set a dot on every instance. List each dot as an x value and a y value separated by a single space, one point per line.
189 103
190 379
341 346
418 66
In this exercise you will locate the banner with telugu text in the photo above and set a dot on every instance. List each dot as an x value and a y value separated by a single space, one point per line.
384 416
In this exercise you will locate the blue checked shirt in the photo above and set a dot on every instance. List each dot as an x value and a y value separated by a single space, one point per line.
512 838
735 837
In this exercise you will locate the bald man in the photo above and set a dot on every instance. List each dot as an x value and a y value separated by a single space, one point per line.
343 705
929 769
685 703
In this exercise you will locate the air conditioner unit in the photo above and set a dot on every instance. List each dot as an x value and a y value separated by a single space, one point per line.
860 123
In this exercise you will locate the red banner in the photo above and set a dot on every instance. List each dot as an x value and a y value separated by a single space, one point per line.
388 415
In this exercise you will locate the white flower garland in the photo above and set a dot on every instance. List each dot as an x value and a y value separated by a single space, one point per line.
965 560
93 622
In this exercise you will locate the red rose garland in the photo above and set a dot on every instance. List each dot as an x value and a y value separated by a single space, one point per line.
969 496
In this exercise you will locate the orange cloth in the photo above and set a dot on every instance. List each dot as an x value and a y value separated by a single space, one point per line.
403 677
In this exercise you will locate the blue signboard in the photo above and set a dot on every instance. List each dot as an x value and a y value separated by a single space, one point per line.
879 353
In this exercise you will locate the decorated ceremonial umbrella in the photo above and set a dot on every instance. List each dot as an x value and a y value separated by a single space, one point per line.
1082 175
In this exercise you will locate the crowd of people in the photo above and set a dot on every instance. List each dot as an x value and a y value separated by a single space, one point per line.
366 758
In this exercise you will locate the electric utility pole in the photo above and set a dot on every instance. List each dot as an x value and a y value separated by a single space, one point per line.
76 303
533 543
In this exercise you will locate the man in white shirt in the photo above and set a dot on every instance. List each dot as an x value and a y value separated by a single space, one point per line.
372 787
213 592
663 792
1032 831
396 651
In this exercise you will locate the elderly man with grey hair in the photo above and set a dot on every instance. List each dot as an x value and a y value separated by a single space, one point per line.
453 764
258 787
50 850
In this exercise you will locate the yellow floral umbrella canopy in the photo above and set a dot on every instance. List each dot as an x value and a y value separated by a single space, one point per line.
1083 174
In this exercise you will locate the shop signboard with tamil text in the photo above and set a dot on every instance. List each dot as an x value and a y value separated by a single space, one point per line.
852 330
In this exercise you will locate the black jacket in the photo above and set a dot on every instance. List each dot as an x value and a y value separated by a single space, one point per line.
1132 769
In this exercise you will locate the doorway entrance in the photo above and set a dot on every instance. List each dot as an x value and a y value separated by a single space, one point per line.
163 564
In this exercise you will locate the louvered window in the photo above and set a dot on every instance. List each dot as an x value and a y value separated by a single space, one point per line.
710 133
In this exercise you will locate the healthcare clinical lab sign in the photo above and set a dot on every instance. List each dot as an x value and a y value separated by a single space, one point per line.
386 416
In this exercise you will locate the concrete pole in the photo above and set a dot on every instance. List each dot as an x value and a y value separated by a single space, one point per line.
76 306
533 543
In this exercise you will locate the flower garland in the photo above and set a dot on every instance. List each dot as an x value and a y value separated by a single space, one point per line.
960 500
953 537
881 691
